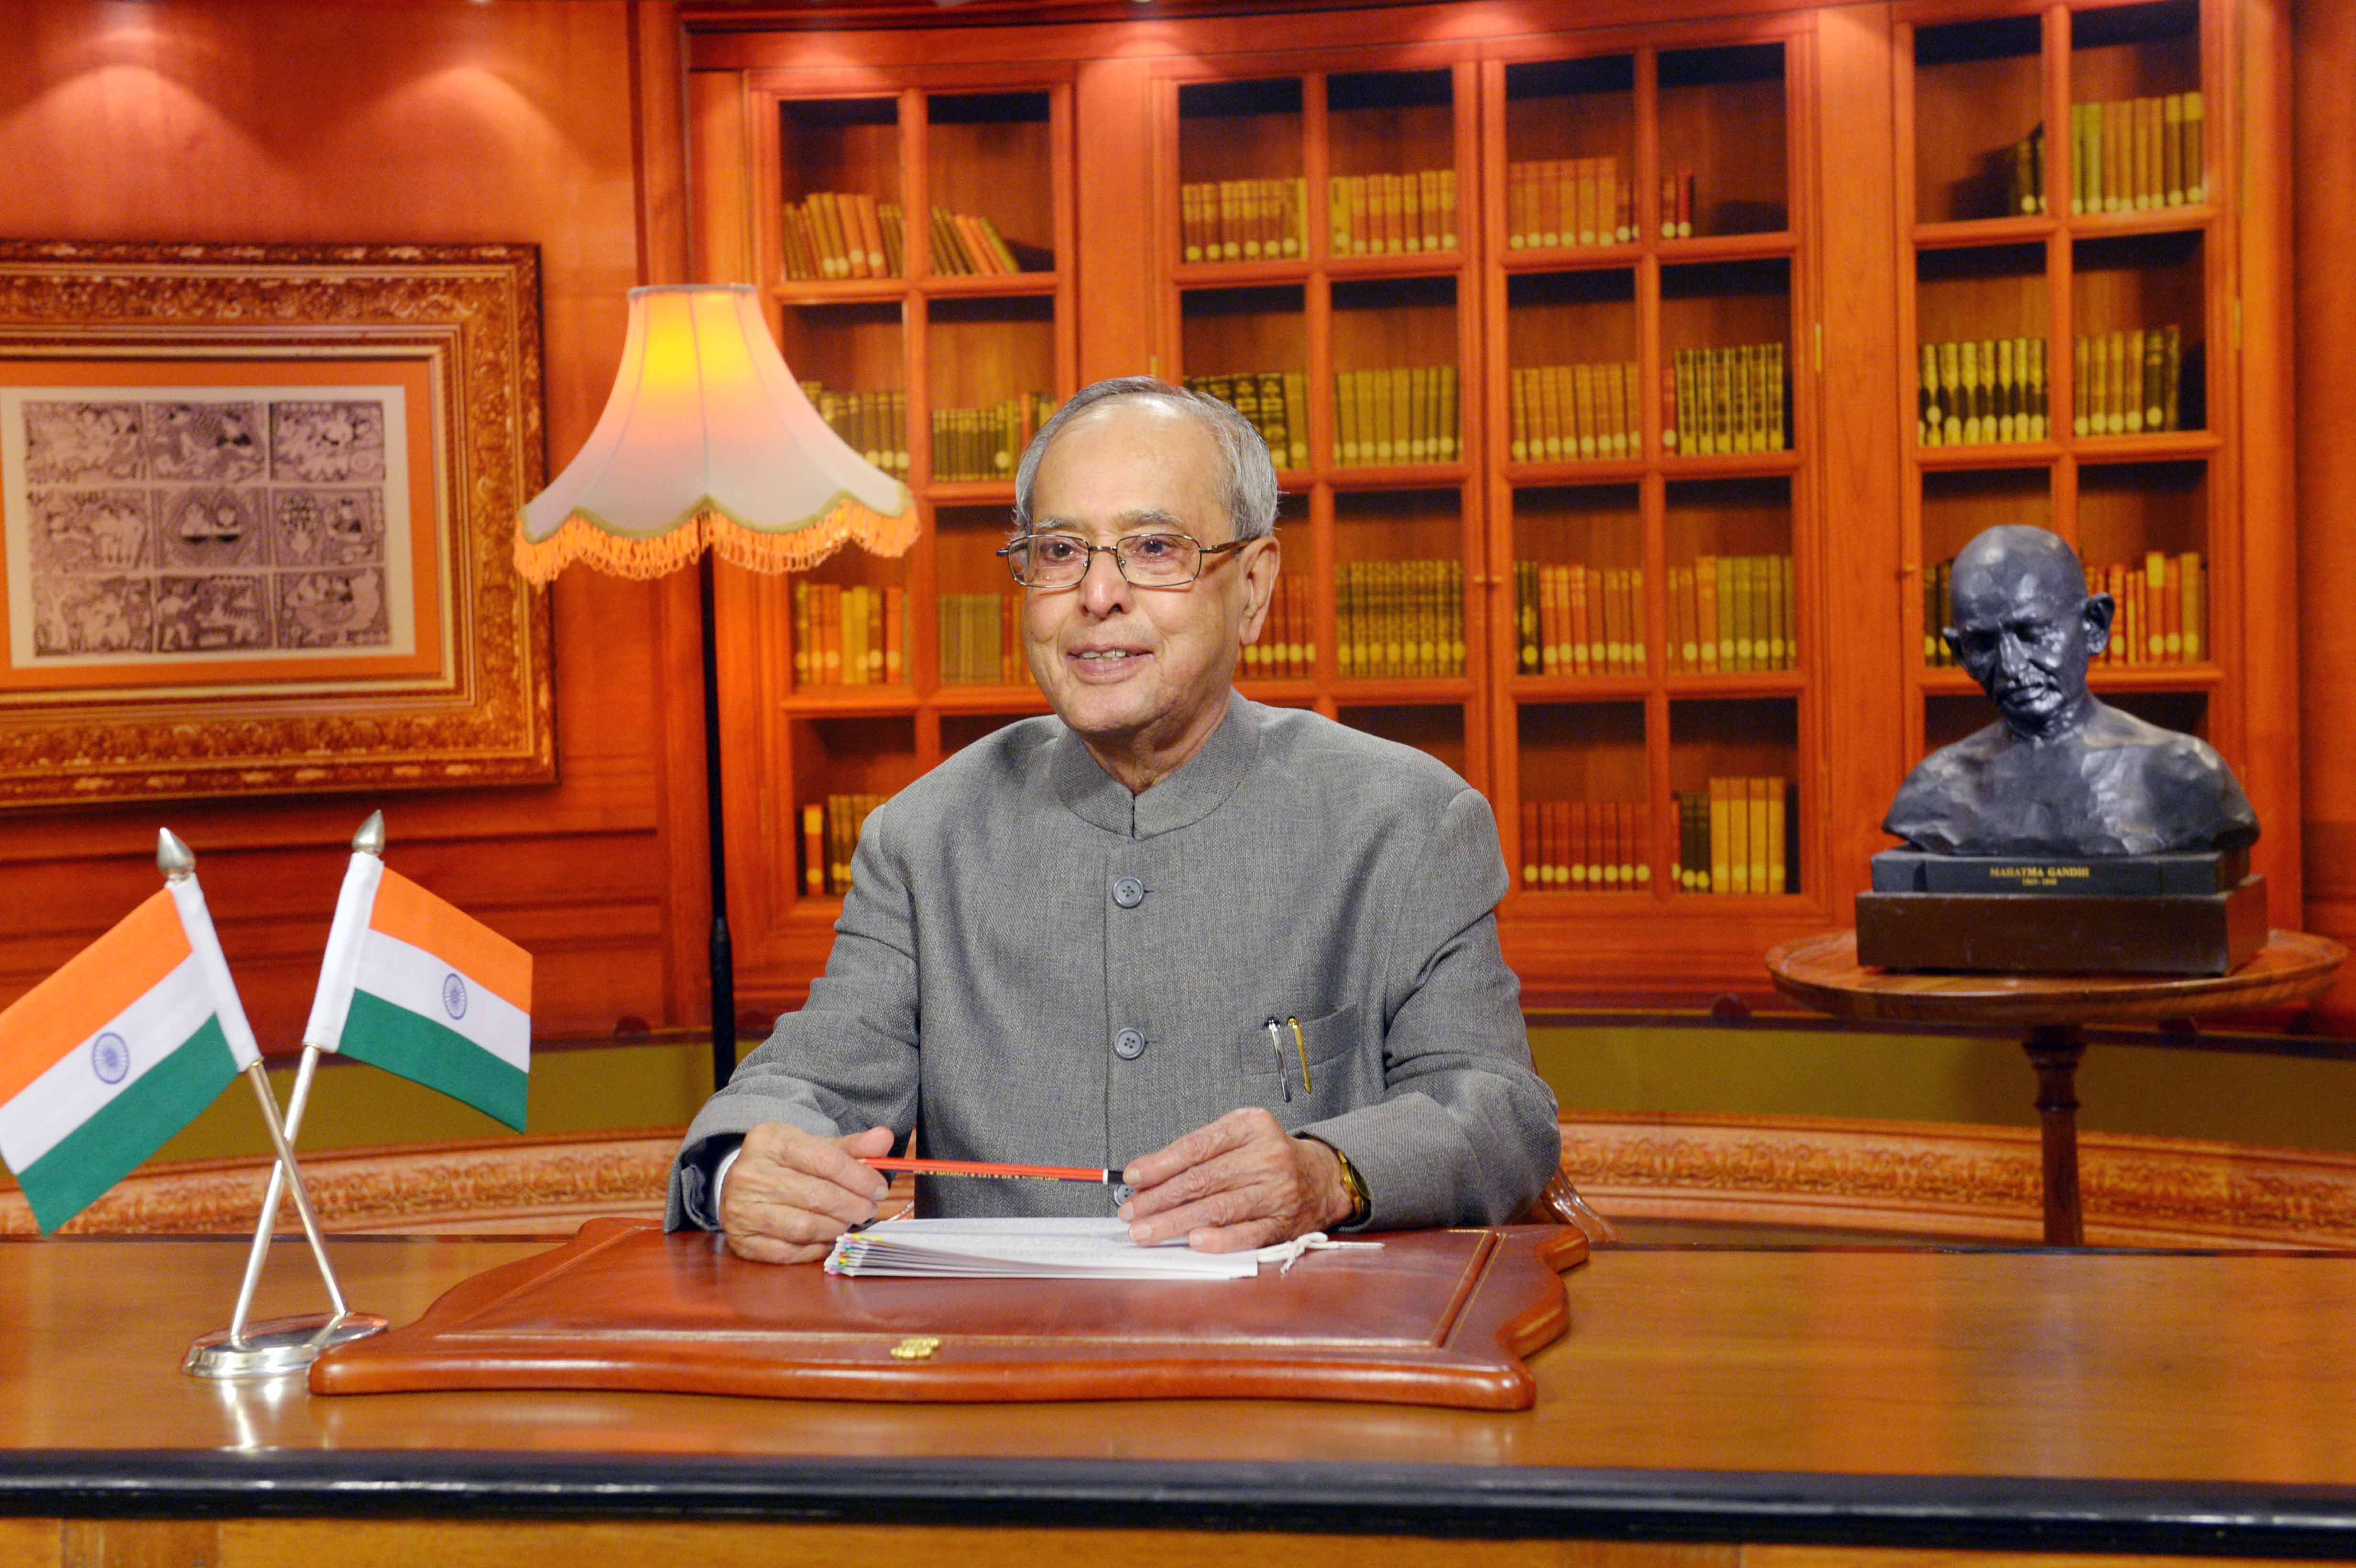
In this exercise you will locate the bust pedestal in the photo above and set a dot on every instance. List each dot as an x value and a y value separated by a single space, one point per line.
1824 972
2051 933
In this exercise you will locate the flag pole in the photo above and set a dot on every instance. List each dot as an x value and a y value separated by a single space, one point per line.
368 840
271 1199
259 1076
285 1344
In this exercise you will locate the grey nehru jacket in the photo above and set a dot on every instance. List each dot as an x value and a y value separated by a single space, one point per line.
1039 967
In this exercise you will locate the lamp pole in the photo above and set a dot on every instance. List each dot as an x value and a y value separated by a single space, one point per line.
723 953
706 430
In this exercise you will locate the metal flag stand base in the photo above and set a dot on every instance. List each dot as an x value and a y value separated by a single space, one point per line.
277 1344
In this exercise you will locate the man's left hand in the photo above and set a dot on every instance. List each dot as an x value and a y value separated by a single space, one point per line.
1239 1183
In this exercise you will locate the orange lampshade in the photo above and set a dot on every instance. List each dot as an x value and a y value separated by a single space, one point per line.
706 443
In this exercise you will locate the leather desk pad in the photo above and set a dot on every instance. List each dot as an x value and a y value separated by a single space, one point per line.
1434 1317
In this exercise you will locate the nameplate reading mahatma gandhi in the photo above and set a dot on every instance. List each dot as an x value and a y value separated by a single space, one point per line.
2040 877
2121 876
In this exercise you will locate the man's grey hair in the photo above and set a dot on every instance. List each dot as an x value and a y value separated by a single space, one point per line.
1250 477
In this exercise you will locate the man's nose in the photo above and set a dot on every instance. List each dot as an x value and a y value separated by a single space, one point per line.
1103 589
2012 654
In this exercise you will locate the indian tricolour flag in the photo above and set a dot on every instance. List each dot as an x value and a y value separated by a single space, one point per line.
106 1059
415 987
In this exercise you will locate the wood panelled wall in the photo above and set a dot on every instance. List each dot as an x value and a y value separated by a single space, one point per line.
446 119
2323 130
326 120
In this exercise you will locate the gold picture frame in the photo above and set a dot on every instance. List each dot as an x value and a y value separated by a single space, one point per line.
256 515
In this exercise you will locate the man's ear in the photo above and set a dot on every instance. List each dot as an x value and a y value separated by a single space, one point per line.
2096 615
1954 644
1264 560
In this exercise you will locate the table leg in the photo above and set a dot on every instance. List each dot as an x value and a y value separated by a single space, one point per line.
2054 1050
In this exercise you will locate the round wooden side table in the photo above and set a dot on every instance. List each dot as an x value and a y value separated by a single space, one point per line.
2054 1009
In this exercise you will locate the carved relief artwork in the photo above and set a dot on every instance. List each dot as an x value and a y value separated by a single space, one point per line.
254 513
194 524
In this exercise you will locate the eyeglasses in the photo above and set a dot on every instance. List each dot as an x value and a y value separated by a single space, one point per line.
1145 560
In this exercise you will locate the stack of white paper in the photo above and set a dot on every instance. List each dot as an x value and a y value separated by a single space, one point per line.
1024 1249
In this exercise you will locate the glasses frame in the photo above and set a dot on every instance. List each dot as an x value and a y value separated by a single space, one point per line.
1007 553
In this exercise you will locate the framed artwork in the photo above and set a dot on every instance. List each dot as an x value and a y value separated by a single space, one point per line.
256 510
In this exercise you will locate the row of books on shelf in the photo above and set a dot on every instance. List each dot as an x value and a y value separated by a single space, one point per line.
856 634
1573 412
1242 221
830 834
980 640
1730 400
986 443
1402 618
1403 415
2128 155
2127 383
2159 610
1578 619
1555 202
1586 846
2024 169
1399 618
843 234
849 635
1734 838
2123 383
965 245
1275 402
1974 393
873 424
1733 613
1550 203
1727 401
2160 613
1287 648
2137 154
831 234
1392 215
1731 840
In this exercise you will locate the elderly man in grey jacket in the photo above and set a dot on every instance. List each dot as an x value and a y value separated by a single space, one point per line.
1247 955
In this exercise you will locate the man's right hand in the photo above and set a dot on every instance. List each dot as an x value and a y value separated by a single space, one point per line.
791 1193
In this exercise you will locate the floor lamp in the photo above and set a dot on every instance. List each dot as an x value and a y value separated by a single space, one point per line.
707 447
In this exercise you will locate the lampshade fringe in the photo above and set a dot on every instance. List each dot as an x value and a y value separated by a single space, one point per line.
580 537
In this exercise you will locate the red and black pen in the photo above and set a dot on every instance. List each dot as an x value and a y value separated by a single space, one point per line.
1000 1172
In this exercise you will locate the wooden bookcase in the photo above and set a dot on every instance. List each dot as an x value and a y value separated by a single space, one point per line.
1848 189
1325 313
1971 82
974 143
1719 108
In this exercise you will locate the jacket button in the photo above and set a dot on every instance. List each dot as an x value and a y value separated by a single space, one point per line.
1128 1044
1128 892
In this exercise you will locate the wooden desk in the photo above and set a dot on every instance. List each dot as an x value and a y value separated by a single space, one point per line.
2054 1010
1707 1407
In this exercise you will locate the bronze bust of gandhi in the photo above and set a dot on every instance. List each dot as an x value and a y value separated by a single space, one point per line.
2061 774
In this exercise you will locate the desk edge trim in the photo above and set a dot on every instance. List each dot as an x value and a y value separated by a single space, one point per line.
2189 1518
